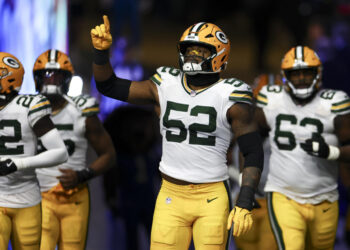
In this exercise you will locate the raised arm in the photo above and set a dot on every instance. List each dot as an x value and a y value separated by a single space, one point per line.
250 144
136 92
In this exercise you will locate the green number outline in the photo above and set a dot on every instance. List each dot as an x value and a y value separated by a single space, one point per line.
16 125
193 128
288 134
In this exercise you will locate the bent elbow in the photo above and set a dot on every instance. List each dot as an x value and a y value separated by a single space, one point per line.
62 154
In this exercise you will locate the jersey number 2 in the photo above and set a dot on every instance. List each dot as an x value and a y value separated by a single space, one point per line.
16 137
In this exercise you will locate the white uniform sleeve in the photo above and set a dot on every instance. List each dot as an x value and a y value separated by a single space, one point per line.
340 101
241 92
88 105
39 108
262 98
56 153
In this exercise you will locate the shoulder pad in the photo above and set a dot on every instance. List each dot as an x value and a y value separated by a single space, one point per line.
241 92
38 105
262 98
35 102
339 100
164 72
87 104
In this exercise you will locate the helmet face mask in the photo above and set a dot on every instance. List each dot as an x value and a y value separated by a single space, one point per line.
52 73
196 58
301 69
211 37
52 81
11 74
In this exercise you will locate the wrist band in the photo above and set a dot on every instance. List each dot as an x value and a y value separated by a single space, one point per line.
245 198
85 174
334 153
101 57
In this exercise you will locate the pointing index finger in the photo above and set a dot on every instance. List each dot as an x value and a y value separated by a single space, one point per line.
106 23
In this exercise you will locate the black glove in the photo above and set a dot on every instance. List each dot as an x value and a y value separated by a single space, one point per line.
7 167
316 146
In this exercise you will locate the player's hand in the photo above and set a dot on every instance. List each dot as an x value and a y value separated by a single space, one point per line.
7 167
316 146
68 179
242 221
101 36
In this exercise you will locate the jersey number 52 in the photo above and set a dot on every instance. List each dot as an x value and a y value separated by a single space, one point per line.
194 128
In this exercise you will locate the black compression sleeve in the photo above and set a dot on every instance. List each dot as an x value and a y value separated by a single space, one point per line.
246 198
100 57
114 87
251 147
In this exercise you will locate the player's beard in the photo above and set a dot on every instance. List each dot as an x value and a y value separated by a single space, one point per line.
202 79
54 99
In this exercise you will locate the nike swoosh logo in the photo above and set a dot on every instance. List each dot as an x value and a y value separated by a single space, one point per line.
210 200
9 164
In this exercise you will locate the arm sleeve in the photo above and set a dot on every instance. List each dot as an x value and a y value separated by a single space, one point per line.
114 87
56 153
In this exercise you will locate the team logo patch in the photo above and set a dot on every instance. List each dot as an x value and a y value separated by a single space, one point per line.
221 36
9 61
168 200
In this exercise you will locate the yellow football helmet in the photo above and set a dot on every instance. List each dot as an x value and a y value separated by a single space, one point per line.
210 36
301 58
53 71
11 74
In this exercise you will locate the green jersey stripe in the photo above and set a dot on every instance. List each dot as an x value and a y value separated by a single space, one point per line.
38 109
261 102
340 110
243 92
342 102
262 95
155 80
241 99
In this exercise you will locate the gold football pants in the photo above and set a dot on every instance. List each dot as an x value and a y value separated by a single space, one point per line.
185 211
302 226
65 218
260 237
22 225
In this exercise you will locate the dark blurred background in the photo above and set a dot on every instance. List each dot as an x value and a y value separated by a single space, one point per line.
260 31
145 36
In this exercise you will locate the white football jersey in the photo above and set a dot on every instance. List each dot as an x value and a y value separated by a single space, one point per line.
17 140
70 123
292 171
194 126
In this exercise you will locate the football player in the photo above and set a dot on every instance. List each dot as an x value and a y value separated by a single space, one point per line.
198 112
66 202
261 236
23 120
308 130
